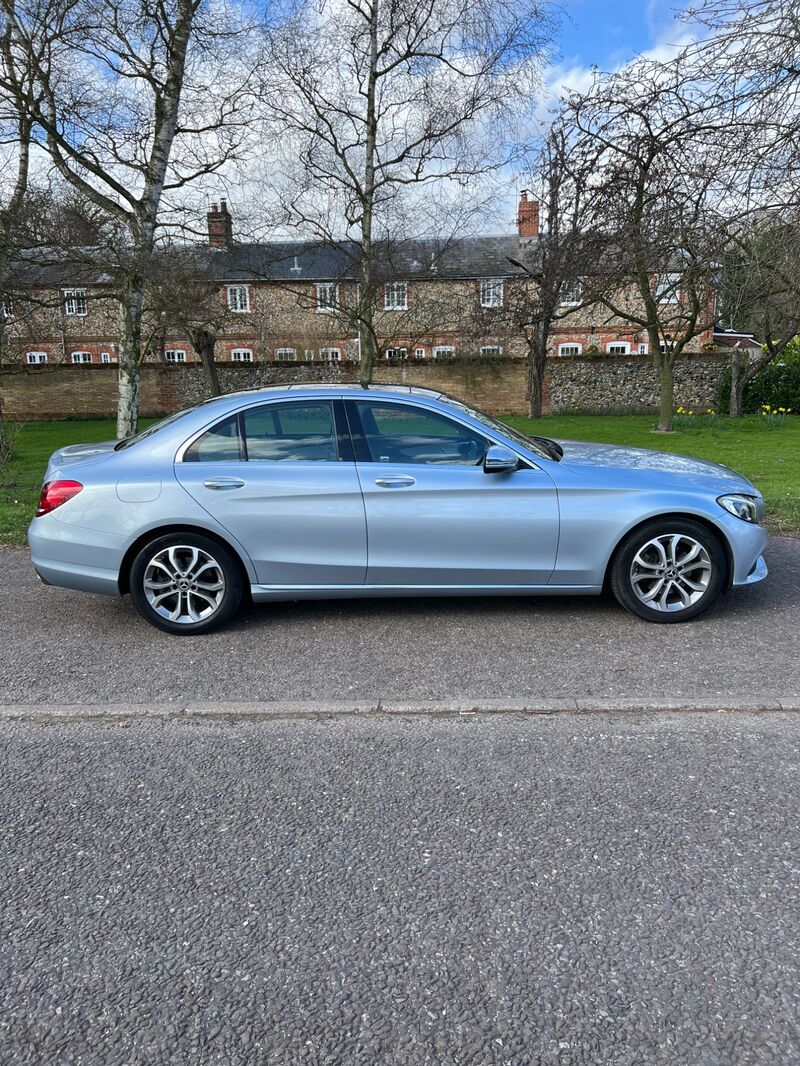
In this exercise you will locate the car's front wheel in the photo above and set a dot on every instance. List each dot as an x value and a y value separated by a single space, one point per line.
186 583
669 570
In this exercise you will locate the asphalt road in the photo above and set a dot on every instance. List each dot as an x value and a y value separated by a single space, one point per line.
570 890
67 647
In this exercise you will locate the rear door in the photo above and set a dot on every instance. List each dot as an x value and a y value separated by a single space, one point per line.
433 516
280 476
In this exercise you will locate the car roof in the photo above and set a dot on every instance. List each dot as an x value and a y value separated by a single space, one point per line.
337 386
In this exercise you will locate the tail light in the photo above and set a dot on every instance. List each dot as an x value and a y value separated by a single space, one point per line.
54 493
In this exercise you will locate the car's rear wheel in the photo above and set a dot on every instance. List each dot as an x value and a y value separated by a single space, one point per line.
669 570
186 583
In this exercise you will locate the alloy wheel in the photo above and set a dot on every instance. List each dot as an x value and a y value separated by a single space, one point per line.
184 584
671 572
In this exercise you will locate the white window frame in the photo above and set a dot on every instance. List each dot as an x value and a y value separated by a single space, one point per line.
78 360
241 355
324 304
7 306
419 353
445 350
644 348
491 351
395 296
562 348
330 355
105 357
397 353
625 345
74 300
285 355
35 358
492 292
667 288
571 293
238 298
179 355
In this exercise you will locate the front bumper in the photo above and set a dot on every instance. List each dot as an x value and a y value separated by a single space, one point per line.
758 573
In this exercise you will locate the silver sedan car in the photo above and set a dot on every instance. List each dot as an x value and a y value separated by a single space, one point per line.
325 491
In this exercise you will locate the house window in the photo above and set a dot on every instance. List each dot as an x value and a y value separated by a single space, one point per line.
174 355
285 355
444 351
396 353
36 357
74 302
105 357
491 349
571 292
395 296
644 348
239 298
419 353
570 349
241 355
618 348
491 292
327 297
668 288
7 305
330 355
81 357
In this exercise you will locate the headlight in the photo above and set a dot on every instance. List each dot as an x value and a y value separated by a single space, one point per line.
744 507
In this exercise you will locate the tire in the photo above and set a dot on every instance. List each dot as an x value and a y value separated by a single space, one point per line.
186 583
677 565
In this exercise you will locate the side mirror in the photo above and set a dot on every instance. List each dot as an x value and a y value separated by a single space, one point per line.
499 460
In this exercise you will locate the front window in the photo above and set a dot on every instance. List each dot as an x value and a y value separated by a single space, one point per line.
327 297
395 433
618 348
668 288
241 355
571 292
570 349
36 357
239 298
395 296
74 302
174 355
81 357
491 292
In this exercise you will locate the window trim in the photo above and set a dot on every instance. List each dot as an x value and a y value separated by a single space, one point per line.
177 351
35 362
626 345
569 344
235 288
240 351
74 295
450 349
80 362
277 352
395 306
330 358
484 284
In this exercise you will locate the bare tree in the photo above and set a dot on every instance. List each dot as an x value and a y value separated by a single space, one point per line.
658 199
131 103
381 104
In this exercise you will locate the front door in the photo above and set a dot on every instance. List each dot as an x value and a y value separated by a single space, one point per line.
434 518
281 478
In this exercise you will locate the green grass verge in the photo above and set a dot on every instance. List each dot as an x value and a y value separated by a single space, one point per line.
769 455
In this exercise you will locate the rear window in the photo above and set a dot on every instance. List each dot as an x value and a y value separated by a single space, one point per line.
155 428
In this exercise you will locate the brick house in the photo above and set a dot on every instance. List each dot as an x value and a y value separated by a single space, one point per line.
293 301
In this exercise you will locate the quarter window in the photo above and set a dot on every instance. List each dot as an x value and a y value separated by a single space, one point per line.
219 444
395 296
395 433
491 292
239 297
74 302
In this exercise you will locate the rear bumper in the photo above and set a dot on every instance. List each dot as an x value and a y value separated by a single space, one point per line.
75 558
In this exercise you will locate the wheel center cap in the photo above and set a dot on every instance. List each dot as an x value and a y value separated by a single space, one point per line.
183 584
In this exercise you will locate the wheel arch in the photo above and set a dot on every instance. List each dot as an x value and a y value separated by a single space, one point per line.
682 516
175 527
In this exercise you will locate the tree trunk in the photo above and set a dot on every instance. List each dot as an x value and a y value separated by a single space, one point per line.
5 447
366 334
667 397
737 385
366 297
537 364
129 358
204 342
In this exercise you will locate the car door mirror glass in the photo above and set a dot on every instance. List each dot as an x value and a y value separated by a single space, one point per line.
499 460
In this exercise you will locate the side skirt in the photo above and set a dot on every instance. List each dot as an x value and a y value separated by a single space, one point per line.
261 593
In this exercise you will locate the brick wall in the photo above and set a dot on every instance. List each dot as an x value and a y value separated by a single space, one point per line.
497 385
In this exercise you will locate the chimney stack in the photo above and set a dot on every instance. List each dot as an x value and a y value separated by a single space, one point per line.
527 217
220 226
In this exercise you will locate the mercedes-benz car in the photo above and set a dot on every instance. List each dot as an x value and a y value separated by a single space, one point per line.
322 491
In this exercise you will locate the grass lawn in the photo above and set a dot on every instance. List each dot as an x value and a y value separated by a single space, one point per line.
770 456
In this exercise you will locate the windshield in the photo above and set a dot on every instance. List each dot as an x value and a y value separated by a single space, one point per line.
128 441
531 443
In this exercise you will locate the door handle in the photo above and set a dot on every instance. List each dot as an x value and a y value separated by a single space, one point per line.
395 481
224 483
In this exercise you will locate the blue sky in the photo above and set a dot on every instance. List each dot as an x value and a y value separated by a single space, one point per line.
609 32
